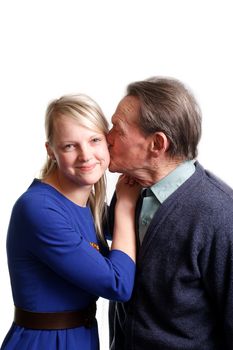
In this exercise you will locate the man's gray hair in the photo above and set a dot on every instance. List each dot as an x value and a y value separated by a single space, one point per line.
168 106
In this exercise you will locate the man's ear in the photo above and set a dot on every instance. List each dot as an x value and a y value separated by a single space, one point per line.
159 143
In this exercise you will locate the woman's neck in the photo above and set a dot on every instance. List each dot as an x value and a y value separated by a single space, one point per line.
77 194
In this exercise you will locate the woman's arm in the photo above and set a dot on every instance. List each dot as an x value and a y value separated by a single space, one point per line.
124 238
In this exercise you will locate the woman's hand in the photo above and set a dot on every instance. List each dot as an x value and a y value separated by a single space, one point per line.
127 190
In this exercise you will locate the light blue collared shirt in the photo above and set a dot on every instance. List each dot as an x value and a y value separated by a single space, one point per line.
159 192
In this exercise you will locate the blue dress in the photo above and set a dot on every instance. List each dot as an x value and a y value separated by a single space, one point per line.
54 267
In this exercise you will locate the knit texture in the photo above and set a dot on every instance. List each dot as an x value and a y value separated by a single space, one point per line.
183 294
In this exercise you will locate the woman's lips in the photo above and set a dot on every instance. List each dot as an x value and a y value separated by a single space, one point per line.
86 168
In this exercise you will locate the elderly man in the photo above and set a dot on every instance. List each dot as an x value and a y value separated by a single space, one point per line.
183 295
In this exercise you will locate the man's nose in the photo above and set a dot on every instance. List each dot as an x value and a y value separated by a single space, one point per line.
110 137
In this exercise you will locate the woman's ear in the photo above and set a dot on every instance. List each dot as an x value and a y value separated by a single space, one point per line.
159 143
49 150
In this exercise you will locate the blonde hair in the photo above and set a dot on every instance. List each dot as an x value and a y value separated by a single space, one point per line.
88 114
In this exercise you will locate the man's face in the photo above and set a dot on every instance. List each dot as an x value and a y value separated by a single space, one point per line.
128 145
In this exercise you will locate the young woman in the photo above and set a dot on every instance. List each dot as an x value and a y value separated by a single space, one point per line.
59 261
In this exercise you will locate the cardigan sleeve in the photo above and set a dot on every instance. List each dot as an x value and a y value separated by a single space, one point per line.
216 264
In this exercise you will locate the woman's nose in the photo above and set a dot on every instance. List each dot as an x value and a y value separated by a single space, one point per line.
84 155
84 160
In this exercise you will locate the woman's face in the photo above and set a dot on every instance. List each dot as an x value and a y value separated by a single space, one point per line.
81 154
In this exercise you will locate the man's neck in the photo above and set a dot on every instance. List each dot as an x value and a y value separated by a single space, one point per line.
161 169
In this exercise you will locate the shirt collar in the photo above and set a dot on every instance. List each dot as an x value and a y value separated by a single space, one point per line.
165 187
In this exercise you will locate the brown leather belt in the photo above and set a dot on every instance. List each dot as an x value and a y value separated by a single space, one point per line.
55 320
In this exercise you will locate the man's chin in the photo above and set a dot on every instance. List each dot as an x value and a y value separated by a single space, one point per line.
113 168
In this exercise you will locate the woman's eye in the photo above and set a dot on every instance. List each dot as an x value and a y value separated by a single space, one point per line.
96 139
69 147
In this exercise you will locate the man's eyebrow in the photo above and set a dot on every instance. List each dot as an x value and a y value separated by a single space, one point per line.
115 119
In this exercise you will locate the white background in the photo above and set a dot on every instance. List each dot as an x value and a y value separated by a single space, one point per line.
54 47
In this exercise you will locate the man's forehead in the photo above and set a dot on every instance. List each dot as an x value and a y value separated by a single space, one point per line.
128 106
129 103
